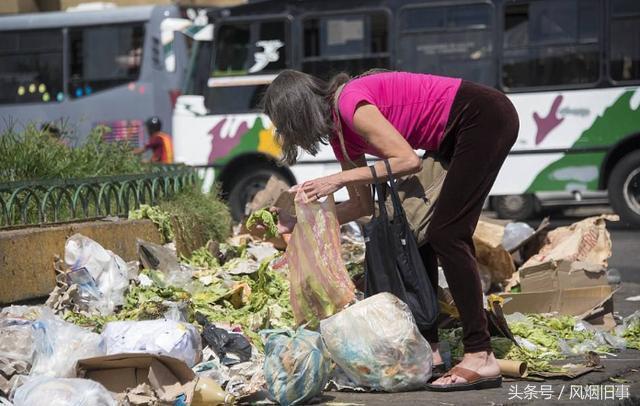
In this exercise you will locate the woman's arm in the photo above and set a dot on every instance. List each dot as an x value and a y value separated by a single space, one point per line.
360 202
385 139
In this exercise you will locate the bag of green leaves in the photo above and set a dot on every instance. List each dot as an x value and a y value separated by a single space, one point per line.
320 283
296 365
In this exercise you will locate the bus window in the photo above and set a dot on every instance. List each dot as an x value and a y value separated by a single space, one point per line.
232 49
448 40
352 43
117 60
31 66
235 99
551 43
257 47
625 40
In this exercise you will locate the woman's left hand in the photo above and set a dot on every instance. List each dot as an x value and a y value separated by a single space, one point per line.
321 187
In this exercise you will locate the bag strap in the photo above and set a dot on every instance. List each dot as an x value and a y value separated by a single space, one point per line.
398 210
380 190
336 110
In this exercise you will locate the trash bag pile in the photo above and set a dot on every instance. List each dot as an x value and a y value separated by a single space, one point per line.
243 321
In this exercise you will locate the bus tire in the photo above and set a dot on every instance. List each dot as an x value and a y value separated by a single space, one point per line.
515 207
624 188
244 186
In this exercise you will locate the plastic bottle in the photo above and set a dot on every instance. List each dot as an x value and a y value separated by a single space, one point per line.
209 393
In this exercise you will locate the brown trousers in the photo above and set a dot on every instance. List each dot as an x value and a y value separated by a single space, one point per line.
482 128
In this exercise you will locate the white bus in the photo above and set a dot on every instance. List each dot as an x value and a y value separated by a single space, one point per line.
115 67
571 68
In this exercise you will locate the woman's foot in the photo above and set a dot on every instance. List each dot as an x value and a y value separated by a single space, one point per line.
483 363
435 350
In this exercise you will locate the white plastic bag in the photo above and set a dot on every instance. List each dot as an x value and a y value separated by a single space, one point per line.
63 392
165 337
101 275
377 344
515 234
16 333
59 345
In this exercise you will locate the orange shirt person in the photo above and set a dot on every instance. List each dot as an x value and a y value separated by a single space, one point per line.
159 142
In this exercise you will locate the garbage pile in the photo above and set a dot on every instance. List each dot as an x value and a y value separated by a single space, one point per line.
243 321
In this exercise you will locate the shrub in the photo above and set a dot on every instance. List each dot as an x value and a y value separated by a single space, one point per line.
36 154
197 218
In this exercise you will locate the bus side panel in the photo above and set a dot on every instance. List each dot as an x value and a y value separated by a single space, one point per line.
586 122
216 139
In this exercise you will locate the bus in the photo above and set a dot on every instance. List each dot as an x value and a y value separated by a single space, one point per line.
570 67
114 67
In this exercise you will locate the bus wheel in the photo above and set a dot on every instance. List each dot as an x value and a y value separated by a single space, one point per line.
624 188
245 186
515 207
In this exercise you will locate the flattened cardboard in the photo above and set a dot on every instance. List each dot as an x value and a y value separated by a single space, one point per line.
552 275
168 376
574 302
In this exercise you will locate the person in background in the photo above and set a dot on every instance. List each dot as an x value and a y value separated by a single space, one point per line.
159 143
390 115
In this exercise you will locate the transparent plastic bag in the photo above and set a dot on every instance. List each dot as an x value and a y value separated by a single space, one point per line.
160 258
377 344
101 276
63 392
59 344
515 234
296 365
165 337
16 333
320 283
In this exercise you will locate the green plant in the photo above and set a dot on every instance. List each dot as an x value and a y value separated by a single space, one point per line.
35 154
199 216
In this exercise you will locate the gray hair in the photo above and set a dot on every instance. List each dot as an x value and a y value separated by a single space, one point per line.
301 108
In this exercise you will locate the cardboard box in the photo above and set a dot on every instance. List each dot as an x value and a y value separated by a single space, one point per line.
169 377
580 302
553 275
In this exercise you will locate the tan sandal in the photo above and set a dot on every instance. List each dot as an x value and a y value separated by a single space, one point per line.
474 381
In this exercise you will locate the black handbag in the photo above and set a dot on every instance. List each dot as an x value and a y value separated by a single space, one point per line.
392 260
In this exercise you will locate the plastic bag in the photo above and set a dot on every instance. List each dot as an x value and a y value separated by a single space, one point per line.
63 392
230 347
16 333
377 344
164 337
58 345
320 284
157 257
296 365
101 275
515 234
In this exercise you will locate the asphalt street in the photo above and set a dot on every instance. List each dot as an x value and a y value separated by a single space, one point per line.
623 369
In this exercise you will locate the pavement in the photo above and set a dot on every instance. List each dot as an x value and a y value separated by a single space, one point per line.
618 383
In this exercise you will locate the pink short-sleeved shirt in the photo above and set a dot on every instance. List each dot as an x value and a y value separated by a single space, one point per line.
417 105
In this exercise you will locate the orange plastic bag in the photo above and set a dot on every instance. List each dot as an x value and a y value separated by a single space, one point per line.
320 283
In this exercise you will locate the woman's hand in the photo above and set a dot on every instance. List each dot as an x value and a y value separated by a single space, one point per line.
321 187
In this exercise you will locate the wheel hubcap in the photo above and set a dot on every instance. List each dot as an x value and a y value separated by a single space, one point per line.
631 190
513 202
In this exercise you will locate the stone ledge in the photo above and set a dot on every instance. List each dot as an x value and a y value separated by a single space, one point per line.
26 255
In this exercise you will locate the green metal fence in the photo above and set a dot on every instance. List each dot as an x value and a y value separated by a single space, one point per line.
55 201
